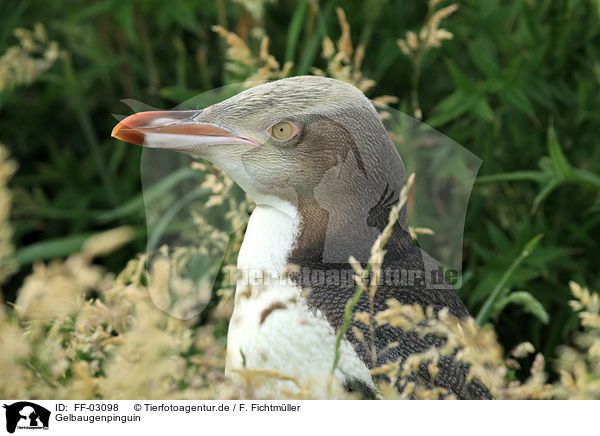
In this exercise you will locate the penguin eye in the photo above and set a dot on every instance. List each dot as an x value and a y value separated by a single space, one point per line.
282 130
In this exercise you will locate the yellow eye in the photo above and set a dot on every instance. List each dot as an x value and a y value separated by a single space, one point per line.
282 130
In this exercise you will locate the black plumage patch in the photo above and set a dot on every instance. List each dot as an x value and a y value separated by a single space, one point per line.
402 255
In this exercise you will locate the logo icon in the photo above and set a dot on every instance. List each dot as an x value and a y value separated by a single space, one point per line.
26 415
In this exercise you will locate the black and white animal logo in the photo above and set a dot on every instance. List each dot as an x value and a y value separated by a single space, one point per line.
26 415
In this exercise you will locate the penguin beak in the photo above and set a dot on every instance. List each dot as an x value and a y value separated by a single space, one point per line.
175 130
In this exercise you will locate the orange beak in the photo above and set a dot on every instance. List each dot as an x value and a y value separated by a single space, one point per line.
177 130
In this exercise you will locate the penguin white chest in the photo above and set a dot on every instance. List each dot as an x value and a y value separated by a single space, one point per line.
271 327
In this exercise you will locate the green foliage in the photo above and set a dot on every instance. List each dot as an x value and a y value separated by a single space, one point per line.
498 298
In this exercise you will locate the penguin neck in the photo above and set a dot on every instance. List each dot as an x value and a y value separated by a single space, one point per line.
312 233
279 234
329 236
269 238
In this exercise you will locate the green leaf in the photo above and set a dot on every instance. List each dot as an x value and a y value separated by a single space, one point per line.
312 47
484 62
136 204
527 302
535 176
546 190
461 80
496 293
517 99
125 18
452 107
60 247
561 166
294 30
483 110
161 226
587 178
51 248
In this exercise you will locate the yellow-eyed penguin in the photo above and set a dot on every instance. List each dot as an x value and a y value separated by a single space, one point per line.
315 157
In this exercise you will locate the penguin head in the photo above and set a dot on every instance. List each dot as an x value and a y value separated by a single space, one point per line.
283 139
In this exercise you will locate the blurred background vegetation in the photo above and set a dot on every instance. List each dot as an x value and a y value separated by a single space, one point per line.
515 82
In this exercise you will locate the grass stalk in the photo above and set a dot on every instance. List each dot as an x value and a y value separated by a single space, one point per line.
488 306
376 258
